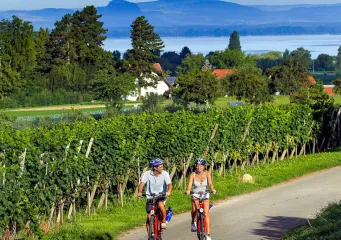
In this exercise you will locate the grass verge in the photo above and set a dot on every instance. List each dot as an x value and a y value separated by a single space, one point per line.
326 225
108 224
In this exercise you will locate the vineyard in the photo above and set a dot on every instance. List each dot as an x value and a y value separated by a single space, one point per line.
59 170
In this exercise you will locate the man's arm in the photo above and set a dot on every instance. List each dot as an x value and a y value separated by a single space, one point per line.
168 181
140 189
169 189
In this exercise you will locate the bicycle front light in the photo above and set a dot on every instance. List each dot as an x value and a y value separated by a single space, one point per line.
152 212
201 210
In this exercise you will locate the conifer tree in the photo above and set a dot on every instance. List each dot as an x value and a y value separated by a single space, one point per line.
145 43
43 58
234 43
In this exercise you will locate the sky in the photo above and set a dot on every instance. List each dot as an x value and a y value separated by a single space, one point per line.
39 4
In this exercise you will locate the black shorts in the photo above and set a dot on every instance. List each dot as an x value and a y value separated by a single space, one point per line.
149 203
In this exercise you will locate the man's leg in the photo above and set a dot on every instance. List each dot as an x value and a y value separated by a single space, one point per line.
163 212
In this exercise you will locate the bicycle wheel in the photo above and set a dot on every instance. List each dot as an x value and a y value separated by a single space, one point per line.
151 235
200 226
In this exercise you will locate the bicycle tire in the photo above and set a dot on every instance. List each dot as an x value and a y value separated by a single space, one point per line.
151 235
200 224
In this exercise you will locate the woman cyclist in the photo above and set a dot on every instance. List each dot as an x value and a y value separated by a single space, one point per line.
200 179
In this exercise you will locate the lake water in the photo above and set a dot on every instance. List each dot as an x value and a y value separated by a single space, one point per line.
316 44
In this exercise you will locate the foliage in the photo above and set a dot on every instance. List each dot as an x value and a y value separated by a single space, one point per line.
325 62
314 96
150 102
338 57
337 87
289 77
44 98
301 59
185 51
112 87
200 87
231 59
169 61
249 84
193 62
234 43
268 60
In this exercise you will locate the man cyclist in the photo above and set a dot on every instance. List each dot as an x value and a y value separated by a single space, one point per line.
157 181
201 180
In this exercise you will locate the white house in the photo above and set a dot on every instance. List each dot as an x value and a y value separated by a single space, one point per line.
161 87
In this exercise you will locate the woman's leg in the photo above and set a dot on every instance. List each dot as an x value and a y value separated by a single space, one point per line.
207 216
195 204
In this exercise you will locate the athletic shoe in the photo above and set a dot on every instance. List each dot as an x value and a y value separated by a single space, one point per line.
194 227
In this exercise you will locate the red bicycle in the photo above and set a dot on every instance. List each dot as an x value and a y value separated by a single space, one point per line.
155 230
201 228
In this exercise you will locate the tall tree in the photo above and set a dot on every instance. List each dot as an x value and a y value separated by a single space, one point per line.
234 43
17 54
43 56
88 34
145 42
61 45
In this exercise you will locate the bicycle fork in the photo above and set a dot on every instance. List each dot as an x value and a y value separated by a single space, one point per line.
201 228
156 224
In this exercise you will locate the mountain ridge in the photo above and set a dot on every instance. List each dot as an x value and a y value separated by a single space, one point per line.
212 14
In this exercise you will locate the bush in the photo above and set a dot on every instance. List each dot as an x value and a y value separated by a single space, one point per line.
44 98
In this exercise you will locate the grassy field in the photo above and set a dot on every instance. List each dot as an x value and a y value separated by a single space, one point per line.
108 224
326 225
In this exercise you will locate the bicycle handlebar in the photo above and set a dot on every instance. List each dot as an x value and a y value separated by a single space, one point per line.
154 195
201 192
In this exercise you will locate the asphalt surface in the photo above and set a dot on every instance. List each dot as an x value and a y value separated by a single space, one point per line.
265 214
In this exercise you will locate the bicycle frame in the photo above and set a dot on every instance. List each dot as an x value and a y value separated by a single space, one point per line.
155 230
201 228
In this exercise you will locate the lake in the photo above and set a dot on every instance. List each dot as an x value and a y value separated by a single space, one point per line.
316 44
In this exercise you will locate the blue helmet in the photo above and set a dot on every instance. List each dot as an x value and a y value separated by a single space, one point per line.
156 162
200 161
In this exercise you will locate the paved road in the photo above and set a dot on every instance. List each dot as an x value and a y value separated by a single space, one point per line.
265 214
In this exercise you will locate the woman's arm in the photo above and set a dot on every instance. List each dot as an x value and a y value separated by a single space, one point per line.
210 183
190 183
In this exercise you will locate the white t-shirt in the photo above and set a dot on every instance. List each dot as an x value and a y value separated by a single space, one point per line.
155 184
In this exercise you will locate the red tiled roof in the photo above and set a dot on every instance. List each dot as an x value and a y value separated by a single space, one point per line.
157 66
329 91
220 73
